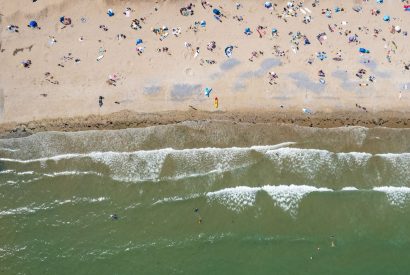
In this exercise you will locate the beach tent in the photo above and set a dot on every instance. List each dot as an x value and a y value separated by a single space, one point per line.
321 55
307 111
217 12
207 91
33 24
65 20
228 51
363 50
386 18
138 41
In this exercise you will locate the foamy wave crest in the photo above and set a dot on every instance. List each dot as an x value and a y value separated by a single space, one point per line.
310 163
32 208
236 198
53 158
149 165
177 198
7 172
9 149
349 188
398 164
396 195
288 197
71 173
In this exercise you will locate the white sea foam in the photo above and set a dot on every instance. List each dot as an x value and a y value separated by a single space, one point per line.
23 210
7 172
309 163
25 173
398 165
396 195
54 158
177 198
288 197
349 188
9 149
32 208
71 173
148 165
236 198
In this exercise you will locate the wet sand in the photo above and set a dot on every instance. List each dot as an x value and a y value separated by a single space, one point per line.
129 119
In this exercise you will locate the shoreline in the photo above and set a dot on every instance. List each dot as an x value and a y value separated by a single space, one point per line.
129 119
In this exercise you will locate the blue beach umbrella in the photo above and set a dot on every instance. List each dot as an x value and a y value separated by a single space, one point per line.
33 24
386 18
207 91
138 41
203 23
268 5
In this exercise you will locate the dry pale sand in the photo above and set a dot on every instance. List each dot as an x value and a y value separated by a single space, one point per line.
159 82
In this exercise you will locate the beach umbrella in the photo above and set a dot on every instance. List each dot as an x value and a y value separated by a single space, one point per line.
268 5
228 51
386 18
207 91
397 29
138 41
110 12
203 23
216 12
248 31
33 24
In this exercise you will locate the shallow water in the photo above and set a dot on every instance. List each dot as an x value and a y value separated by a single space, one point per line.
271 200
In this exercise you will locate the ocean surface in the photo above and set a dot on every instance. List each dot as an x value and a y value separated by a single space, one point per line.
206 198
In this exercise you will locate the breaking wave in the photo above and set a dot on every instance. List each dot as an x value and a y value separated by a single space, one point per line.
32 208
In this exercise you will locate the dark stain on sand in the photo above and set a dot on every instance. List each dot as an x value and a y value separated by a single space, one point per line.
184 91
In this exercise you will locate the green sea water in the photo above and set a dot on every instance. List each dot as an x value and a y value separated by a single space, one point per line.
206 198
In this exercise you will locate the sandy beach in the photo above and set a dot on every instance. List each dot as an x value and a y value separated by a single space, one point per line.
302 61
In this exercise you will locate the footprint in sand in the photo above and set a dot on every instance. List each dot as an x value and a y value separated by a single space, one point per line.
189 72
